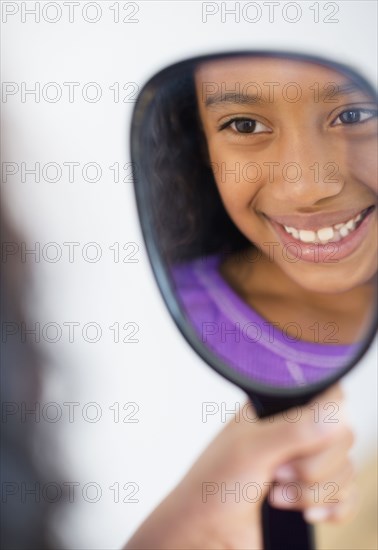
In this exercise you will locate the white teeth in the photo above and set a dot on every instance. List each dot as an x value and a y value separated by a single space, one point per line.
289 229
307 236
292 231
351 224
326 233
344 231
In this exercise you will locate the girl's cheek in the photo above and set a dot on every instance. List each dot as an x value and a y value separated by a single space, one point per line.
362 164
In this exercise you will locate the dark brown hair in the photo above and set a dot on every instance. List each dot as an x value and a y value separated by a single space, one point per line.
171 165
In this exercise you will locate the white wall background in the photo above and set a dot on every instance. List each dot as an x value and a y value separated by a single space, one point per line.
159 373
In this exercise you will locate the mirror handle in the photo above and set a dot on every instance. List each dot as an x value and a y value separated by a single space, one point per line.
283 529
268 405
286 530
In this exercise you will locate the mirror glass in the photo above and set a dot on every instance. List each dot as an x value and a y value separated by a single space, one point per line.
256 183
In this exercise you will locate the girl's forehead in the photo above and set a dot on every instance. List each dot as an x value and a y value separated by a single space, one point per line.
243 70
272 80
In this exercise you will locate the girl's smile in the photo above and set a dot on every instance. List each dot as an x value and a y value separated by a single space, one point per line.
328 243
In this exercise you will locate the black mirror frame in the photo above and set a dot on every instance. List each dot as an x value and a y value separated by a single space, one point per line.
267 399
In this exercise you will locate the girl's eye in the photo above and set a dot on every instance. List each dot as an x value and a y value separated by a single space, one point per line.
245 126
353 116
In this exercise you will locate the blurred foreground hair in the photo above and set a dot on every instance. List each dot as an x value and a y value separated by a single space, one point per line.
24 518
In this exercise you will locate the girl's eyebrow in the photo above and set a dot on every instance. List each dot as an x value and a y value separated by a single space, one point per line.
234 98
329 91
332 90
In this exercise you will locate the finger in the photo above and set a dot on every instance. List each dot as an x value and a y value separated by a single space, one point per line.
347 509
321 465
296 495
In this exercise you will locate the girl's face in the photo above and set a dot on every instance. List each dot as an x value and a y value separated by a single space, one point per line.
293 150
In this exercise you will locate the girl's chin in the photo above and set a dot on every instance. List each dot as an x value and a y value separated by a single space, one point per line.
327 289
335 283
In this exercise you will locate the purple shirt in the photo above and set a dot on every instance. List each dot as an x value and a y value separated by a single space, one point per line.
246 341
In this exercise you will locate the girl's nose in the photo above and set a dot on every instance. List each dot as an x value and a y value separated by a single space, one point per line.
308 169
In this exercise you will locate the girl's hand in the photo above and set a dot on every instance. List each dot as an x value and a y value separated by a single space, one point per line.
299 458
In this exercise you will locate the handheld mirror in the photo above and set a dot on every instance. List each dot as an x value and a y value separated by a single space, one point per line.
256 183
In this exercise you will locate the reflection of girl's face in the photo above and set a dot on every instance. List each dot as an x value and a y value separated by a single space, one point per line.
293 148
